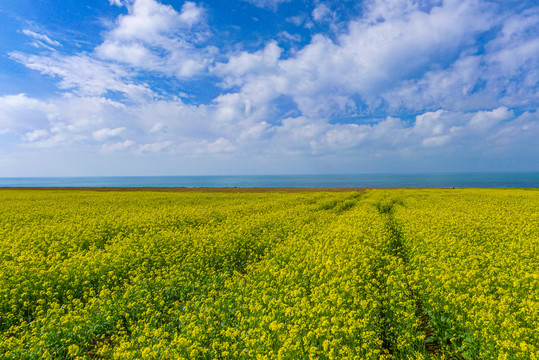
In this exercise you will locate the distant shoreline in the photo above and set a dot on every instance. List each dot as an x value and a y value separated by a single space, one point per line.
247 189
205 189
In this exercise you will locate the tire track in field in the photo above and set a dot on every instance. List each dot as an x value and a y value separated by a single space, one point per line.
340 206
432 346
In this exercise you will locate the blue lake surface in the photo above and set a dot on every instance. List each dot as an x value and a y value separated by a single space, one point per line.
441 180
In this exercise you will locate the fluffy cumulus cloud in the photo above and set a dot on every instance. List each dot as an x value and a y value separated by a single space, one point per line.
154 36
322 13
404 81
371 58
505 73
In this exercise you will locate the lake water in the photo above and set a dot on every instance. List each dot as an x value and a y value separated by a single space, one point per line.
442 180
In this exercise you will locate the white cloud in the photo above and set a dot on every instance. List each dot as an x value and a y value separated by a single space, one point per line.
59 121
117 146
391 10
245 64
20 114
308 105
191 13
484 120
438 131
433 141
172 120
327 78
36 135
268 4
505 74
155 147
152 22
297 19
451 88
285 35
431 123
41 38
106 133
231 108
296 136
220 145
155 37
225 128
322 13
133 53
85 75
518 135
157 127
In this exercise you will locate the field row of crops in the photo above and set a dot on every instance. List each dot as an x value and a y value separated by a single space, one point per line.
394 274
475 257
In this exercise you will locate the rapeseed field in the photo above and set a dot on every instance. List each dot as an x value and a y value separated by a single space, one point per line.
379 274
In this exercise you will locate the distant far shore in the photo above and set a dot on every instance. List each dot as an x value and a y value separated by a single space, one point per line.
202 189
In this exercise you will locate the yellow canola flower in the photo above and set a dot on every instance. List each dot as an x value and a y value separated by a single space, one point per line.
124 275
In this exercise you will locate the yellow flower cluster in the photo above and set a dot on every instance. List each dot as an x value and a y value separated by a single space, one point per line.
318 275
474 255
322 294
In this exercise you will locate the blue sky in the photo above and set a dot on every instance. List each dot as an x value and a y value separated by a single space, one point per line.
147 87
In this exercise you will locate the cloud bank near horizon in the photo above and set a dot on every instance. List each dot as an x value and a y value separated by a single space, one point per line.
383 86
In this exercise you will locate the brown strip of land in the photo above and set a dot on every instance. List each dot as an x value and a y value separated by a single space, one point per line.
198 189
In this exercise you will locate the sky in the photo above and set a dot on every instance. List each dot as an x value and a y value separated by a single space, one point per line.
148 87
